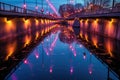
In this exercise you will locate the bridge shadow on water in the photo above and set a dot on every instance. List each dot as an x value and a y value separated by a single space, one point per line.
63 56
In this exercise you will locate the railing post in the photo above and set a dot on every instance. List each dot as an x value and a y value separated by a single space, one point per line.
0 5
10 7
3 6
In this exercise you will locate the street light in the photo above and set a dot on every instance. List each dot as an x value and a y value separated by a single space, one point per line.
36 6
24 5
42 10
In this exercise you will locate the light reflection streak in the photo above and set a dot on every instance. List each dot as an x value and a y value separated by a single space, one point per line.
36 35
71 70
110 28
36 22
14 77
95 40
95 25
86 37
90 69
84 55
26 61
86 24
109 47
46 51
52 7
81 46
27 24
27 40
36 54
73 50
53 43
10 49
9 26
51 69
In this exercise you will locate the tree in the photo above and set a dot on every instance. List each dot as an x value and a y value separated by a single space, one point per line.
105 3
66 9
102 3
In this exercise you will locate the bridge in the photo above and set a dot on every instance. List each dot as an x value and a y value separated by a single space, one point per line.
8 10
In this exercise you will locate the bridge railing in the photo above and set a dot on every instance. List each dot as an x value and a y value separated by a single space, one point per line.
15 9
113 11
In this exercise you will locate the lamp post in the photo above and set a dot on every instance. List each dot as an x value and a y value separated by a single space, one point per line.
113 4
24 4
42 10
36 6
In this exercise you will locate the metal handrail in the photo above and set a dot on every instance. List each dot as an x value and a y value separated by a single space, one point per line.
89 12
15 9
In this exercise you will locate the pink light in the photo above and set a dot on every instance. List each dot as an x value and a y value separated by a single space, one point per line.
70 46
37 56
51 70
42 10
75 54
90 53
90 72
46 51
73 50
90 69
52 7
26 61
71 70
80 45
47 12
84 55
47 40
36 7
50 49
14 77
53 43
24 6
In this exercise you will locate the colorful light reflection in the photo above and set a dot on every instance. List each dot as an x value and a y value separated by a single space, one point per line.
10 49
71 70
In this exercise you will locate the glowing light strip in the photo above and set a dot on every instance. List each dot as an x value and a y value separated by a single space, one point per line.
53 43
52 7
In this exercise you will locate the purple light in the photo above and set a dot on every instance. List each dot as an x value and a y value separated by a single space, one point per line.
90 69
42 10
73 50
24 6
51 70
52 7
75 54
71 70
36 7
50 49
14 77
80 45
37 56
84 55
26 61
